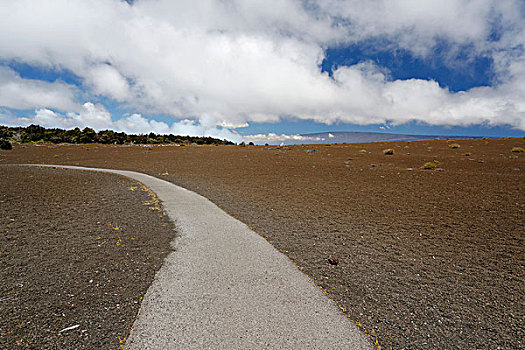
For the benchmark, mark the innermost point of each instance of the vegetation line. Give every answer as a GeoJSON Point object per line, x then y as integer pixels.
{"type": "Point", "coordinates": [39, 134]}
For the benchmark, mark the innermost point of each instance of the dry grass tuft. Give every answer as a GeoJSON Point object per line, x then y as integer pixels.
{"type": "Point", "coordinates": [389, 152]}
{"type": "Point", "coordinates": [518, 150]}
{"type": "Point", "coordinates": [428, 166]}
{"type": "Point", "coordinates": [454, 145]}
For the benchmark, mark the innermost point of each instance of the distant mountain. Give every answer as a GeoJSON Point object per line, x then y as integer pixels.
{"type": "Point", "coordinates": [360, 137]}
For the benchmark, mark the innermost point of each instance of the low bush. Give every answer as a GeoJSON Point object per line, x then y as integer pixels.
{"type": "Point", "coordinates": [518, 150]}
{"type": "Point", "coordinates": [389, 152]}
{"type": "Point", "coordinates": [5, 144]}
{"type": "Point", "coordinates": [454, 145]}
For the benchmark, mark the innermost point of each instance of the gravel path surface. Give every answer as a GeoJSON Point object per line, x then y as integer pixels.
{"type": "Point", "coordinates": [225, 287]}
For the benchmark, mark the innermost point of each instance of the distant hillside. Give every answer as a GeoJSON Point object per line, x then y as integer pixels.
{"type": "Point", "coordinates": [359, 137]}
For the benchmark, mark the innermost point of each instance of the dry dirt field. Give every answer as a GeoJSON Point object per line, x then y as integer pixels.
{"type": "Point", "coordinates": [76, 248]}
{"type": "Point", "coordinates": [428, 259]}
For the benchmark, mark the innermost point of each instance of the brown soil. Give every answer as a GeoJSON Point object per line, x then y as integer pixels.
{"type": "Point", "coordinates": [76, 248]}
{"type": "Point", "coordinates": [428, 259]}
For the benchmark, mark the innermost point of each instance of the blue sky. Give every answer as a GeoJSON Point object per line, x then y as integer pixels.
{"type": "Point", "coordinates": [243, 70]}
{"type": "Point", "coordinates": [458, 73]}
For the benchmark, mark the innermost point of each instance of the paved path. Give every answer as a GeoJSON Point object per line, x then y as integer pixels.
{"type": "Point", "coordinates": [225, 287]}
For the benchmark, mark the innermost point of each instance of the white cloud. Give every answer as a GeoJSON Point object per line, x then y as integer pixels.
{"type": "Point", "coordinates": [229, 63]}
{"type": "Point", "coordinates": [416, 25]}
{"type": "Point", "coordinates": [275, 138]}
{"type": "Point", "coordinates": [229, 125]}
{"type": "Point", "coordinates": [106, 80]}
{"type": "Point", "coordinates": [97, 117]}
{"type": "Point", "coordinates": [19, 93]}
{"type": "Point", "coordinates": [91, 115]}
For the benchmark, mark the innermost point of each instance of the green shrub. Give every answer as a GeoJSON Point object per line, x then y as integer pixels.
{"type": "Point", "coordinates": [5, 144]}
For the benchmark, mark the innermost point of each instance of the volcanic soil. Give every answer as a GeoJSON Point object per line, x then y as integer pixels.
{"type": "Point", "coordinates": [78, 250]}
{"type": "Point", "coordinates": [428, 259]}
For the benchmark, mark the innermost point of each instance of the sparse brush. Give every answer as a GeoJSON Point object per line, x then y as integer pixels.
{"type": "Point", "coordinates": [428, 166]}
{"type": "Point", "coordinates": [518, 150]}
{"type": "Point", "coordinates": [468, 154]}
{"type": "Point", "coordinates": [363, 151]}
{"type": "Point", "coordinates": [454, 145]}
{"type": "Point", "coordinates": [389, 152]}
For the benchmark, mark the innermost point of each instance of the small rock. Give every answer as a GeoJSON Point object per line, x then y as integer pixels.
{"type": "Point", "coordinates": [333, 261]}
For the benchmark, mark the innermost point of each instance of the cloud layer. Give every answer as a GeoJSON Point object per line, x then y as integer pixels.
{"type": "Point", "coordinates": [98, 118]}
{"type": "Point", "coordinates": [228, 63]}
{"type": "Point", "coordinates": [19, 93]}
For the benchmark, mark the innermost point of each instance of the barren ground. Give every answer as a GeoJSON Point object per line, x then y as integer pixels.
{"type": "Point", "coordinates": [428, 259]}
{"type": "Point", "coordinates": [76, 248]}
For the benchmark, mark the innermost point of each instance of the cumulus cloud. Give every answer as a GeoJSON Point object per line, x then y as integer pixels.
{"type": "Point", "coordinates": [229, 125]}
{"type": "Point", "coordinates": [275, 138]}
{"type": "Point", "coordinates": [90, 115]}
{"type": "Point", "coordinates": [416, 25]}
{"type": "Point", "coordinates": [107, 81]}
{"type": "Point", "coordinates": [97, 117]}
{"type": "Point", "coordinates": [232, 63]}
{"type": "Point", "coordinates": [19, 93]}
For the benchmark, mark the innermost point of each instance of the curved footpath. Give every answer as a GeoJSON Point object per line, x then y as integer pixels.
{"type": "Point", "coordinates": [226, 287]}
